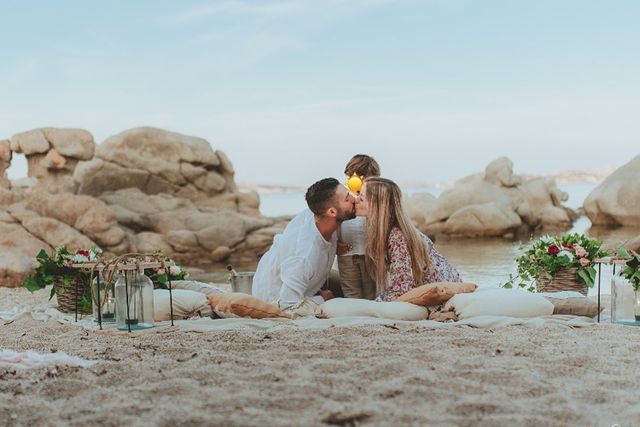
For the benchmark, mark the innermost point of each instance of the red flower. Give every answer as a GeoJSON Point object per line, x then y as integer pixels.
{"type": "Point", "coordinates": [567, 246]}
{"type": "Point", "coordinates": [553, 250]}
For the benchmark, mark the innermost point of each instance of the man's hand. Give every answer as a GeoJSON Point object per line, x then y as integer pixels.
{"type": "Point", "coordinates": [343, 247]}
{"type": "Point", "coordinates": [326, 294]}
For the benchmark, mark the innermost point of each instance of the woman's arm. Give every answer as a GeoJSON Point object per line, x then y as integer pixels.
{"type": "Point", "coordinates": [441, 270]}
{"type": "Point", "coordinates": [400, 274]}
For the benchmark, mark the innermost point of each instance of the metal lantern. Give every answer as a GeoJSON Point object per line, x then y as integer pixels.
{"type": "Point", "coordinates": [134, 300]}
{"type": "Point", "coordinates": [104, 299]}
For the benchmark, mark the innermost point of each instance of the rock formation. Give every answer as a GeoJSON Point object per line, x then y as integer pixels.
{"type": "Point", "coordinates": [141, 190]}
{"type": "Point", "coordinates": [616, 201]}
{"type": "Point", "coordinates": [495, 203]}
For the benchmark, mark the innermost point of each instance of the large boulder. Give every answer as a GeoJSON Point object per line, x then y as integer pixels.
{"type": "Point", "coordinates": [141, 190]}
{"type": "Point", "coordinates": [616, 201]}
{"type": "Point", "coordinates": [500, 173]}
{"type": "Point", "coordinates": [493, 203]}
{"type": "Point", "coordinates": [418, 207]}
{"type": "Point", "coordinates": [52, 155]}
{"type": "Point", "coordinates": [157, 161]}
{"type": "Point", "coordinates": [5, 162]}
{"type": "Point", "coordinates": [18, 250]}
{"type": "Point", "coordinates": [87, 215]}
{"type": "Point", "coordinates": [188, 230]}
{"type": "Point", "coordinates": [492, 219]}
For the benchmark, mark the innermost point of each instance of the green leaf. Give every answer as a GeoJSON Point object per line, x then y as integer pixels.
{"type": "Point", "coordinates": [42, 256]}
{"type": "Point", "coordinates": [507, 286]}
{"type": "Point", "coordinates": [52, 293]}
{"type": "Point", "coordinates": [622, 252]}
{"type": "Point", "coordinates": [584, 277]}
{"type": "Point", "coordinates": [32, 284]}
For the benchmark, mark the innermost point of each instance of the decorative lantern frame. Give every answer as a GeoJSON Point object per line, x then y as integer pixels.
{"type": "Point", "coordinates": [125, 263]}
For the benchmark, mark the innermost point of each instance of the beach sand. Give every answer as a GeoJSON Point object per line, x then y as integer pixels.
{"type": "Point", "coordinates": [375, 375]}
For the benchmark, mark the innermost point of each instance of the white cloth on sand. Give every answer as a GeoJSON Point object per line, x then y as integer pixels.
{"type": "Point", "coordinates": [32, 359]}
{"type": "Point", "coordinates": [297, 265]}
{"type": "Point", "coordinates": [45, 312]}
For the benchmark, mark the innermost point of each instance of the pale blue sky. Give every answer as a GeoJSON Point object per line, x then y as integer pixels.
{"type": "Point", "coordinates": [291, 89]}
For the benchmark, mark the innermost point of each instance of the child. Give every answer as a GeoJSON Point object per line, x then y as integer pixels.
{"type": "Point", "coordinates": [355, 280]}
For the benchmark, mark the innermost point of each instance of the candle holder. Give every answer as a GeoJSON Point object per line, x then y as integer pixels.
{"type": "Point", "coordinates": [134, 300]}
{"type": "Point", "coordinates": [625, 302]}
{"type": "Point", "coordinates": [104, 299]}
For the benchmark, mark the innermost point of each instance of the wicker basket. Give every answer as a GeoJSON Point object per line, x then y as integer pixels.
{"type": "Point", "coordinates": [564, 280]}
{"type": "Point", "coordinates": [70, 296]}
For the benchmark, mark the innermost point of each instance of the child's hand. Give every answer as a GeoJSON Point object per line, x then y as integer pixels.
{"type": "Point", "coordinates": [343, 247]}
{"type": "Point", "coordinates": [326, 294]}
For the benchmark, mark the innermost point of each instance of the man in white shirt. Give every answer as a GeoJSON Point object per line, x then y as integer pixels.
{"type": "Point", "coordinates": [298, 263]}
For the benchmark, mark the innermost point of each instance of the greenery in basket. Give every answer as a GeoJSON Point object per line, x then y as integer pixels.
{"type": "Point", "coordinates": [631, 271]}
{"type": "Point", "coordinates": [549, 254]}
{"type": "Point", "coordinates": [56, 269]}
{"type": "Point", "coordinates": [161, 277]}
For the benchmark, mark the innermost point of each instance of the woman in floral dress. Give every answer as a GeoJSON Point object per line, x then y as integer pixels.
{"type": "Point", "coordinates": [400, 256]}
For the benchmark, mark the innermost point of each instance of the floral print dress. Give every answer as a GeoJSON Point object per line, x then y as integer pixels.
{"type": "Point", "coordinates": [400, 279]}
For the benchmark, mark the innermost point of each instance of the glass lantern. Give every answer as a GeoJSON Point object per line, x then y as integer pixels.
{"type": "Point", "coordinates": [104, 299]}
{"type": "Point", "coordinates": [625, 302]}
{"type": "Point", "coordinates": [134, 300]}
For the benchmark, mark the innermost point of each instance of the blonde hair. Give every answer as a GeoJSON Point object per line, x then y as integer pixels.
{"type": "Point", "coordinates": [384, 200]}
{"type": "Point", "coordinates": [362, 165]}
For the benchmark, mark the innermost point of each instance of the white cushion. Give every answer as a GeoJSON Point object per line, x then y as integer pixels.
{"type": "Point", "coordinates": [193, 285]}
{"type": "Point", "coordinates": [395, 310]}
{"type": "Point", "coordinates": [499, 302]}
{"type": "Point", "coordinates": [186, 304]}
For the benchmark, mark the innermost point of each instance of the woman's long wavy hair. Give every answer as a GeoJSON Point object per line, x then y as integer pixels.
{"type": "Point", "coordinates": [384, 201]}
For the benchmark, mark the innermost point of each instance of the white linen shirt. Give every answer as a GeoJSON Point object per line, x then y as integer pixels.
{"type": "Point", "coordinates": [297, 264]}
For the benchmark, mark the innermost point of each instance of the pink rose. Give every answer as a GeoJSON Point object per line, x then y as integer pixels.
{"type": "Point", "coordinates": [584, 262]}
{"type": "Point", "coordinates": [581, 252]}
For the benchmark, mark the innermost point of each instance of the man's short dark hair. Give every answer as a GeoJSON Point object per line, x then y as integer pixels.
{"type": "Point", "coordinates": [320, 196]}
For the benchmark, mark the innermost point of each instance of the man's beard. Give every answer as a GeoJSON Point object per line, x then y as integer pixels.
{"type": "Point", "coordinates": [346, 215]}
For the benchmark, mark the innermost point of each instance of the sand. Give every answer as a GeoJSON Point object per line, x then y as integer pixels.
{"type": "Point", "coordinates": [375, 375]}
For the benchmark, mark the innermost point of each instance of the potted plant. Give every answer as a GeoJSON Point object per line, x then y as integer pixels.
{"type": "Point", "coordinates": [68, 284]}
{"type": "Point", "coordinates": [554, 264]}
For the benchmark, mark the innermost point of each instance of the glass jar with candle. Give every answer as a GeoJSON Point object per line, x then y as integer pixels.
{"type": "Point", "coordinates": [104, 299]}
{"type": "Point", "coordinates": [134, 300]}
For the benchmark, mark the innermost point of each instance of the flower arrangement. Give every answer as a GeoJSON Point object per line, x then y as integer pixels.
{"type": "Point", "coordinates": [548, 255]}
{"type": "Point", "coordinates": [161, 276]}
{"type": "Point", "coordinates": [56, 270]}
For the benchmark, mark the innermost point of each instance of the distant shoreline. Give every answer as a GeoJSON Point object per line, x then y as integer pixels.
{"type": "Point", "coordinates": [563, 177]}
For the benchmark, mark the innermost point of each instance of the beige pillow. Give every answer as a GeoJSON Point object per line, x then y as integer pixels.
{"type": "Point", "coordinates": [236, 304]}
{"type": "Point", "coordinates": [574, 305]}
{"type": "Point", "coordinates": [499, 302]}
{"type": "Point", "coordinates": [193, 285]}
{"type": "Point", "coordinates": [186, 304]}
{"type": "Point", "coordinates": [394, 310]}
{"type": "Point", "coordinates": [433, 294]}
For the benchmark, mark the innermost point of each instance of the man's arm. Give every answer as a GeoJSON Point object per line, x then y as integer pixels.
{"type": "Point", "coordinates": [295, 274]}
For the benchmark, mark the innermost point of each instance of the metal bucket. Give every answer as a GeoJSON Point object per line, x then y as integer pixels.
{"type": "Point", "coordinates": [242, 282]}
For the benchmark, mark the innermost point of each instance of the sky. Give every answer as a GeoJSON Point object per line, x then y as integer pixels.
{"type": "Point", "coordinates": [291, 89]}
